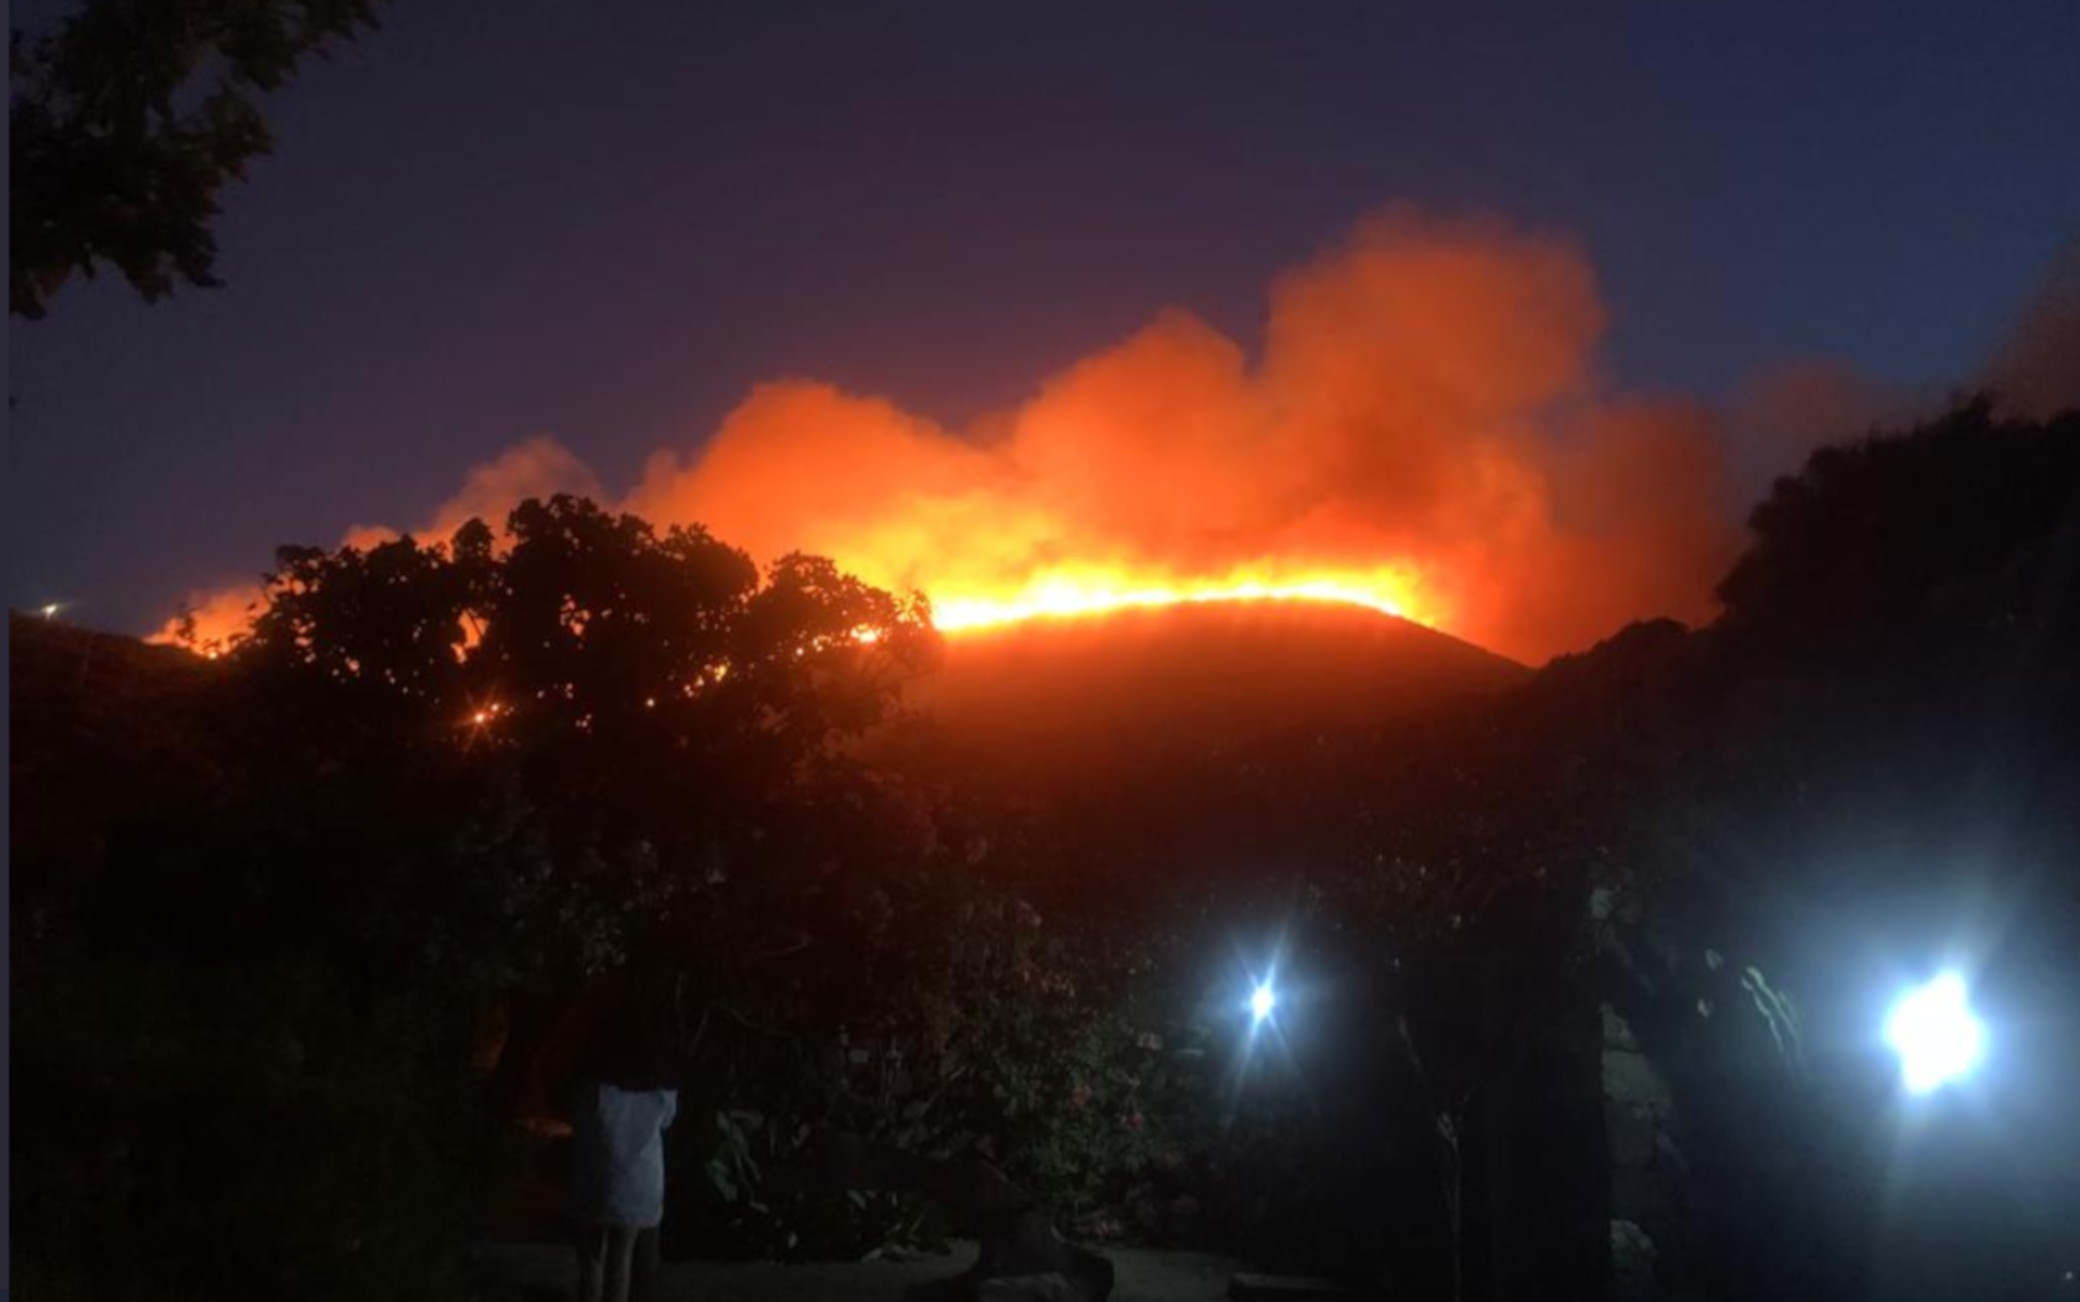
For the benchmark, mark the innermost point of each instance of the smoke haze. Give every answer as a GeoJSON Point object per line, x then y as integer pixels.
{"type": "Point", "coordinates": [1423, 422]}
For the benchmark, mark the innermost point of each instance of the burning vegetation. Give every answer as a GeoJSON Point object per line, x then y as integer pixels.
{"type": "Point", "coordinates": [1421, 429]}
{"type": "Point", "coordinates": [264, 911]}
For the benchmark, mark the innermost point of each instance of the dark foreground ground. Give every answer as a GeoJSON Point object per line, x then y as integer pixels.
{"type": "Point", "coordinates": [1142, 1277]}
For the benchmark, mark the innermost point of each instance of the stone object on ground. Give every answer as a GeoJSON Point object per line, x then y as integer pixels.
{"type": "Point", "coordinates": [1016, 1240]}
{"type": "Point", "coordinates": [1143, 1276]}
{"type": "Point", "coordinates": [1021, 1259]}
{"type": "Point", "coordinates": [1050, 1287]}
{"type": "Point", "coordinates": [1286, 1288]}
{"type": "Point", "coordinates": [1633, 1274]}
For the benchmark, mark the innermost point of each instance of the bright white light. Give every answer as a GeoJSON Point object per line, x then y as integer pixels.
{"type": "Point", "coordinates": [1261, 1002]}
{"type": "Point", "coordinates": [1935, 1034]}
{"type": "Point", "coordinates": [50, 610]}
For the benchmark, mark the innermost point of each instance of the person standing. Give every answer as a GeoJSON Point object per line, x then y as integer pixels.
{"type": "Point", "coordinates": [626, 1102]}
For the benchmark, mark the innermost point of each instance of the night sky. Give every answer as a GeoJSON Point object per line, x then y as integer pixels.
{"type": "Point", "coordinates": [605, 222]}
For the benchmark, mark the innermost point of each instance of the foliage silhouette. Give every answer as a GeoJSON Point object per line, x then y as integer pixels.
{"type": "Point", "coordinates": [127, 121]}
{"type": "Point", "coordinates": [953, 961]}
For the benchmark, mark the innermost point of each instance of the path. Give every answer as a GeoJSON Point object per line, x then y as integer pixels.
{"type": "Point", "coordinates": [1143, 1276]}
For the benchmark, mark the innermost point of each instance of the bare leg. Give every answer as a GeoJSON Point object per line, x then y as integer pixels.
{"type": "Point", "coordinates": [621, 1260]}
{"type": "Point", "coordinates": [592, 1250]}
{"type": "Point", "coordinates": [643, 1282]}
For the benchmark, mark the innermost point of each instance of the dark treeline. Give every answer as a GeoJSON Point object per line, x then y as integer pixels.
{"type": "Point", "coordinates": [300, 933]}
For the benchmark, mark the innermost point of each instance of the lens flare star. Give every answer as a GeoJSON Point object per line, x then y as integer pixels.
{"type": "Point", "coordinates": [1934, 1032]}
{"type": "Point", "coordinates": [1262, 1001]}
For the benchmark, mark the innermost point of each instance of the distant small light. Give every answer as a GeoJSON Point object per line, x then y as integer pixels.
{"type": "Point", "coordinates": [1935, 1034]}
{"type": "Point", "coordinates": [481, 717]}
{"type": "Point", "coordinates": [50, 610]}
{"type": "Point", "coordinates": [1261, 1001]}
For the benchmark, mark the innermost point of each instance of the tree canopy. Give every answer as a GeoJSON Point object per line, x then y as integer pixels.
{"type": "Point", "coordinates": [655, 683]}
{"type": "Point", "coordinates": [443, 783]}
{"type": "Point", "coordinates": [127, 121]}
{"type": "Point", "coordinates": [1971, 520]}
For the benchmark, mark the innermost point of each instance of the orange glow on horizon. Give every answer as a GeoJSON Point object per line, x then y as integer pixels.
{"type": "Point", "coordinates": [1423, 427]}
{"type": "Point", "coordinates": [1078, 594]}
{"type": "Point", "coordinates": [1073, 595]}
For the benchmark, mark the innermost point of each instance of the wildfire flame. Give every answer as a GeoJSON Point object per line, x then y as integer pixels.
{"type": "Point", "coordinates": [1062, 594]}
{"type": "Point", "coordinates": [1071, 594]}
{"type": "Point", "coordinates": [1422, 430]}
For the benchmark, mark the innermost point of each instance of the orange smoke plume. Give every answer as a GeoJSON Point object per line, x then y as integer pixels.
{"type": "Point", "coordinates": [538, 467]}
{"type": "Point", "coordinates": [1422, 429]}
{"type": "Point", "coordinates": [2036, 370]}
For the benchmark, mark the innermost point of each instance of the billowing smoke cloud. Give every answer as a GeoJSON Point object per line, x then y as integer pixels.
{"type": "Point", "coordinates": [1787, 410]}
{"type": "Point", "coordinates": [2036, 370]}
{"type": "Point", "coordinates": [1423, 416]}
{"type": "Point", "coordinates": [538, 467]}
{"type": "Point", "coordinates": [1425, 402]}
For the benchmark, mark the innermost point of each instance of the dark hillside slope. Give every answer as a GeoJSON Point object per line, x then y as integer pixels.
{"type": "Point", "coordinates": [1084, 697]}
{"type": "Point", "coordinates": [105, 733]}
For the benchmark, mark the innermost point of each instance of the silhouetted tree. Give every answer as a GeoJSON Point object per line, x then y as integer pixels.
{"type": "Point", "coordinates": [433, 774]}
{"type": "Point", "coordinates": [127, 121]}
{"type": "Point", "coordinates": [515, 759]}
{"type": "Point", "coordinates": [611, 663]}
{"type": "Point", "coordinates": [1968, 525]}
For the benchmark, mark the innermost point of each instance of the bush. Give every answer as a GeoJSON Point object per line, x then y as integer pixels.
{"type": "Point", "coordinates": [206, 1131]}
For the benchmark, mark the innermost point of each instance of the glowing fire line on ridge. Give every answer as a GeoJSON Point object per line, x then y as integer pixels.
{"type": "Point", "coordinates": [962, 607]}
{"type": "Point", "coordinates": [956, 610]}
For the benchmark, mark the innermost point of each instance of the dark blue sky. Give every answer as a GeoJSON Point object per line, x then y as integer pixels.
{"type": "Point", "coordinates": [603, 222]}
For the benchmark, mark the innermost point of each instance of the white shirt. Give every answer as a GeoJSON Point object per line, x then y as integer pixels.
{"type": "Point", "coordinates": [617, 1137]}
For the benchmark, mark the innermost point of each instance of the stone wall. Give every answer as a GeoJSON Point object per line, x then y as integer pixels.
{"type": "Point", "coordinates": [1542, 1186]}
{"type": "Point", "coordinates": [1648, 1175]}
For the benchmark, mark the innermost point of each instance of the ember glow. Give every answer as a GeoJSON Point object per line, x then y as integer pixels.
{"type": "Point", "coordinates": [1422, 429]}
{"type": "Point", "coordinates": [1097, 592]}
